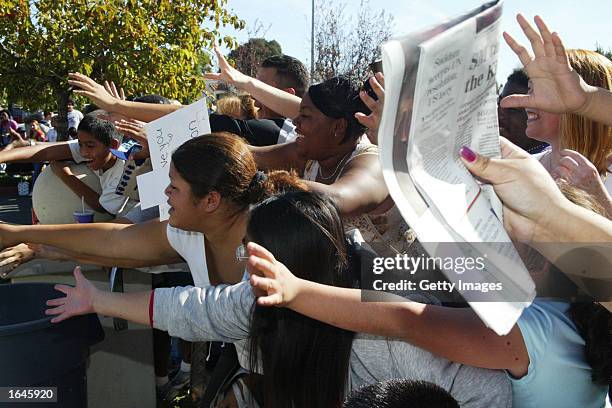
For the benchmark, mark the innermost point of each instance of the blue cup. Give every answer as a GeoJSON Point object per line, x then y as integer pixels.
{"type": "Point", "coordinates": [84, 217]}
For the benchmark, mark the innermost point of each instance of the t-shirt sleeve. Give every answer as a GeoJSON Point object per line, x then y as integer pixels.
{"type": "Point", "coordinates": [536, 328]}
{"type": "Point", "coordinates": [75, 150]}
{"type": "Point", "coordinates": [215, 313]}
{"type": "Point", "coordinates": [258, 132]}
{"type": "Point", "coordinates": [479, 387]}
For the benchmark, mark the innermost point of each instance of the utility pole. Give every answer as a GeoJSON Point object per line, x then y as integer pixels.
{"type": "Point", "coordinates": [312, 33]}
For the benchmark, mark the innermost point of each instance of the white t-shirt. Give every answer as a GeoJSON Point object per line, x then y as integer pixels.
{"type": "Point", "coordinates": [74, 118]}
{"type": "Point", "coordinates": [52, 135]}
{"type": "Point", "coordinates": [287, 133]}
{"type": "Point", "coordinates": [112, 200]}
{"type": "Point", "coordinates": [190, 245]}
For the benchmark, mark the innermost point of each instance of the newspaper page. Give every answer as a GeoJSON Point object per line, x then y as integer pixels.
{"type": "Point", "coordinates": [440, 95]}
{"type": "Point", "coordinates": [164, 136]}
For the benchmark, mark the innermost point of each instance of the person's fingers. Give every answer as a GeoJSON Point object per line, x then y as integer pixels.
{"type": "Point", "coordinates": [379, 90]}
{"type": "Point", "coordinates": [65, 289]}
{"type": "Point", "coordinates": [262, 265]}
{"type": "Point", "coordinates": [259, 251]}
{"type": "Point", "coordinates": [368, 101]}
{"type": "Point", "coordinates": [563, 173]}
{"type": "Point", "coordinates": [86, 94]}
{"type": "Point", "coordinates": [511, 151]}
{"type": "Point", "coordinates": [518, 49]}
{"type": "Point", "coordinates": [114, 88]}
{"type": "Point", "coordinates": [108, 88]}
{"type": "Point", "coordinates": [212, 76]}
{"type": "Point", "coordinates": [56, 310]}
{"type": "Point", "coordinates": [10, 260]}
{"type": "Point", "coordinates": [270, 300]}
{"type": "Point", "coordinates": [81, 78]}
{"type": "Point", "coordinates": [518, 101]}
{"type": "Point", "coordinates": [122, 94]}
{"type": "Point", "coordinates": [81, 86]}
{"type": "Point", "coordinates": [578, 158]}
{"type": "Point", "coordinates": [365, 120]}
{"type": "Point", "coordinates": [569, 163]}
{"type": "Point", "coordinates": [549, 47]}
{"type": "Point", "coordinates": [60, 318]}
{"type": "Point", "coordinates": [560, 52]}
{"type": "Point", "coordinates": [380, 77]}
{"type": "Point", "coordinates": [265, 284]}
{"type": "Point", "coordinates": [532, 35]}
{"type": "Point", "coordinates": [57, 301]}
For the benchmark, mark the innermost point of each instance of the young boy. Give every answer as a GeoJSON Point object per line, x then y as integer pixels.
{"type": "Point", "coordinates": [95, 139]}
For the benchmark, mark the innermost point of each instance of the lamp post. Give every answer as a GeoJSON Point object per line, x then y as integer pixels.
{"type": "Point", "coordinates": [312, 32]}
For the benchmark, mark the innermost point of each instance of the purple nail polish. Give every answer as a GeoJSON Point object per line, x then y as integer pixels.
{"type": "Point", "coordinates": [468, 154]}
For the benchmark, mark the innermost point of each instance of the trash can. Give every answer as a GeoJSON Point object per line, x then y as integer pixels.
{"type": "Point", "coordinates": [37, 353]}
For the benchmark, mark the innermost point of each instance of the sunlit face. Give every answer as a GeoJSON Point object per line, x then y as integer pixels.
{"type": "Point", "coordinates": [315, 131]}
{"type": "Point", "coordinates": [543, 126]}
{"type": "Point", "coordinates": [183, 204]}
{"type": "Point", "coordinates": [267, 76]}
{"type": "Point", "coordinates": [95, 152]}
{"type": "Point", "coordinates": [69, 107]}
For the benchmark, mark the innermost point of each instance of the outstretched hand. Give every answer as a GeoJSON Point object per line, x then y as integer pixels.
{"type": "Point", "coordinates": [136, 130]}
{"type": "Point", "coordinates": [79, 300]}
{"type": "Point", "coordinates": [274, 284]}
{"type": "Point", "coordinates": [89, 88]}
{"type": "Point", "coordinates": [227, 73]}
{"type": "Point", "coordinates": [112, 89]}
{"type": "Point", "coordinates": [525, 188]}
{"type": "Point", "coordinates": [372, 121]}
{"type": "Point", "coordinates": [555, 86]}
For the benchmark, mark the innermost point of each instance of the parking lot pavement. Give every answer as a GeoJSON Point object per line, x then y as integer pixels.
{"type": "Point", "coordinates": [16, 209]}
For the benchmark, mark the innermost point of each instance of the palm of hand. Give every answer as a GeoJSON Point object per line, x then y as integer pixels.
{"type": "Point", "coordinates": [555, 85]}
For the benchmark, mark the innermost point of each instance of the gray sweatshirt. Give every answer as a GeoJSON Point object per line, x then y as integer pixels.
{"type": "Point", "coordinates": [223, 313]}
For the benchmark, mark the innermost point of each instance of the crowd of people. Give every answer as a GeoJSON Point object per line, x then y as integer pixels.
{"type": "Point", "coordinates": [278, 211]}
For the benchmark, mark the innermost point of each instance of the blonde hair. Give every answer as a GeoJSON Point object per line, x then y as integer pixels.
{"type": "Point", "coordinates": [589, 138]}
{"type": "Point", "coordinates": [237, 107]}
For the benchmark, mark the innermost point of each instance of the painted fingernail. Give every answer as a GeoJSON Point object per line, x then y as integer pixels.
{"type": "Point", "coordinates": [468, 154]}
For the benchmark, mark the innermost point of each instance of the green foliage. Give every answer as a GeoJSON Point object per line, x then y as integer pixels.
{"type": "Point", "coordinates": [146, 46]}
{"type": "Point", "coordinates": [248, 56]}
{"type": "Point", "coordinates": [607, 54]}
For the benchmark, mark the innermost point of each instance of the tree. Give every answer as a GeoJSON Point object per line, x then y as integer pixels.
{"type": "Point", "coordinates": [248, 56]}
{"type": "Point", "coordinates": [607, 54]}
{"type": "Point", "coordinates": [146, 46]}
{"type": "Point", "coordinates": [344, 46]}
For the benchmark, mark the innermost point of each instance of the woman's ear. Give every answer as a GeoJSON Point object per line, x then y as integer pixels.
{"type": "Point", "coordinates": [210, 202]}
{"type": "Point", "coordinates": [340, 128]}
{"type": "Point", "coordinates": [114, 143]}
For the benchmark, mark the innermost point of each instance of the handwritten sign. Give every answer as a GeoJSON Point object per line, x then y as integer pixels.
{"type": "Point", "coordinates": [164, 136]}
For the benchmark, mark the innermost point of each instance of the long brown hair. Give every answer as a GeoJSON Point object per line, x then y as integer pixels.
{"type": "Point", "coordinates": [591, 139]}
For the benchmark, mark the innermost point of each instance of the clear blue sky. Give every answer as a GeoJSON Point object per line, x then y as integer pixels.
{"type": "Point", "coordinates": [580, 23]}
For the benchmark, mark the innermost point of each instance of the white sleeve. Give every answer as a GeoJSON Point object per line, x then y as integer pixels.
{"type": "Point", "coordinates": [75, 150]}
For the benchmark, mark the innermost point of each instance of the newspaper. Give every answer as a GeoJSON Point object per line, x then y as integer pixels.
{"type": "Point", "coordinates": [164, 136]}
{"type": "Point", "coordinates": [441, 95]}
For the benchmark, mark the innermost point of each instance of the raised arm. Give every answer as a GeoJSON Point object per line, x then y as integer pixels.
{"type": "Point", "coordinates": [40, 152]}
{"type": "Point", "coordinates": [556, 87]}
{"type": "Point", "coordinates": [275, 99]}
{"type": "Point", "coordinates": [98, 94]}
{"type": "Point", "coordinates": [139, 242]}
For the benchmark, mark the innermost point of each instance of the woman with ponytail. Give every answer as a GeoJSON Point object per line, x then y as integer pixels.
{"type": "Point", "coordinates": [213, 181]}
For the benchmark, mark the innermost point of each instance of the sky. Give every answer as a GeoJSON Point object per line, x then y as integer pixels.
{"type": "Point", "coordinates": [581, 24]}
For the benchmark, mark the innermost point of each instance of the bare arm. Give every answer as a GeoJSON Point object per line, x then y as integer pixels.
{"type": "Point", "coordinates": [91, 197]}
{"type": "Point", "coordinates": [279, 101]}
{"type": "Point", "coordinates": [359, 190]}
{"type": "Point", "coordinates": [98, 94]}
{"type": "Point", "coordinates": [278, 157]}
{"type": "Point", "coordinates": [456, 334]}
{"type": "Point", "coordinates": [139, 242]}
{"type": "Point", "coordinates": [41, 152]}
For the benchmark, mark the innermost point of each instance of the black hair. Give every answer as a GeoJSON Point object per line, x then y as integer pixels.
{"type": "Point", "coordinates": [153, 98]}
{"type": "Point", "coordinates": [89, 108]}
{"type": "Point", "coordinates": [102, 130]}
{"type": "Point", "coordinates": [519, 77]}
{"type": "Point", "coordinates": [338, 98]}
{"type": "Point", "coordinates": [594, 323]}
{"type": "Point", "coordinates": [290, 71]}
{"type": "Point", "coordinates": [305, 362]}
{"type": "Point", "coordinates": [7, 113]}
{"type": "Point", "coordinates": [69, 102]}
{"type": "Point", "coordinates": [401, 393]}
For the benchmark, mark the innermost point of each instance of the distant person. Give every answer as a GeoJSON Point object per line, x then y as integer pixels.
{"type": "Point", "coordinates": [513, 121]}
{"type": "Point", "coordinates": [73, 116]}
{"type": "Point", "coordinates": [401, 393]}
{"type": "Point", "coordinates": [237, 107]}
{"type": "Point", "coordinates": [52, 133]}
{"type": "Point", "coordinates": [8, 128]}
